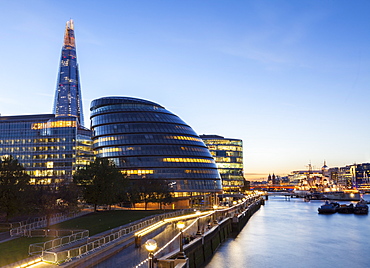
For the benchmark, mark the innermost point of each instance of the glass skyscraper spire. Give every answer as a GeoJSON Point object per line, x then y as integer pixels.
{"type": "Point", "coordinates": [68, 99]}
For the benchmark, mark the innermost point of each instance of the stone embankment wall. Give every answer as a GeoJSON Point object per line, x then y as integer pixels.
{"type": "Point", "coordinates": [201, 250]}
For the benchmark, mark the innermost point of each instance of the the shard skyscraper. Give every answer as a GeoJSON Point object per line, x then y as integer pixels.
{"type": "Point", "coordinates": [68, 99]}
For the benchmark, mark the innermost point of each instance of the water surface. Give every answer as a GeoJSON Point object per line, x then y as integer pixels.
{"type": "Point", "coordinates": [292, 234]}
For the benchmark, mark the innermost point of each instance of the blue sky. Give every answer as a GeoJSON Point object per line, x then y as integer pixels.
{"type": "Point", "coordinates": [289, 78]}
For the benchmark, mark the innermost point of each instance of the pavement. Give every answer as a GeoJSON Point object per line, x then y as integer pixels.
{"type": "Point", "coordinates": [122, 252]}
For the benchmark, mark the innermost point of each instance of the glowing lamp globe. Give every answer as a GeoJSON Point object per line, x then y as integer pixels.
{"type": "Point", "coordinates": [180, 224]}
{"type": "Point", "coordinates": [150, 245]}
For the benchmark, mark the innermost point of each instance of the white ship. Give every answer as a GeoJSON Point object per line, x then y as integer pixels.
{"type": "Point", "coordinates": [321, 187]}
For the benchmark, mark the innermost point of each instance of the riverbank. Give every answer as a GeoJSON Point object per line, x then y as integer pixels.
{"type": "Point", "coordinates": [290, 233]}
{"type": "Point", "coordinates": [203, 247]}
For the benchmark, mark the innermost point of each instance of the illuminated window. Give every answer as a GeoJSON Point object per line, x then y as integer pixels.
{"type": "Point", "coordinates": [188, 160]}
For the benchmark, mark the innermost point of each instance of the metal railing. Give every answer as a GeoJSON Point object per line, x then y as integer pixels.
{"type": "Point", "coordinates": [24, 229]}
{"type": "Point", "coordinates": [203, 224]}
{"type": "Point", "coordinates": [117, 233]}
{"type": "Point", "coordinates": [38, 248]}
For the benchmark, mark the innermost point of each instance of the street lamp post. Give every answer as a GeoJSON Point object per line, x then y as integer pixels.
{"type": "Point", "coordinates": [181, 255]}
{"type": "Point", "coordinates": [215, 214]}
{"type": "Point", "coordinates": [150, 246]}
{"type": "Point", "coordinates": [198, 232]}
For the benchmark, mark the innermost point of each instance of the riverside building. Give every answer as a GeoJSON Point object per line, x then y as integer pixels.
{"type": "Point", "coordinates": [52, 146]}
{"type": "Point", "coordinates": [228, 154]}
{"type": "Point", "coordinates": [148, 142]}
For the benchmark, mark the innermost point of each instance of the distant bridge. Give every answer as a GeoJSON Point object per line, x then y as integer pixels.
{"type": "Point", "coordinates": [272, 188]}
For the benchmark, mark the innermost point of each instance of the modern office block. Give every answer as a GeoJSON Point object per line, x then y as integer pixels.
{"type": "Point", "coordinates": [52, 146]}
{"type": "Point", "coordinates": [49, 147]}
{"type": "Point", "coordinates": [228, 154]}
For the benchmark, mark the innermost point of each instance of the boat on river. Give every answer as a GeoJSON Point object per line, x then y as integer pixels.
{"type": "Point", "coordinates": [321, 187]}
{"type": "Point", "coordinates": [361, 207]}
{"type": "Point", "coordinates": [328, 208]}
{"type": "Point", "coordinates": [346, 209]}
{"type": "Point", "coordinates": [345, 195]}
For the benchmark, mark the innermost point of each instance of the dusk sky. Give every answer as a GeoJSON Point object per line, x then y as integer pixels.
{"type": "Point", "coordinates": [289, 78]}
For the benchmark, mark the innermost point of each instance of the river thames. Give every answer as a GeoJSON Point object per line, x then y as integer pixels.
{"type": "Point", "coordinates": [292, 234]}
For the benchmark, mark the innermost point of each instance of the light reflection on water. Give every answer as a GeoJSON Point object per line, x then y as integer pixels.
{"type": "Point", "coordinates": [292, 234]}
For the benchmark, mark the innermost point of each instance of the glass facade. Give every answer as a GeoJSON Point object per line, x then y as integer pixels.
{"type": "Point", "coordinates": [146, 141]}
{"type": "Point", "coordinates": [50, 148]}
{"type": "Point", "coordinates": [68, 100]}
{"type": "Point", "coordinates": [228, 154]}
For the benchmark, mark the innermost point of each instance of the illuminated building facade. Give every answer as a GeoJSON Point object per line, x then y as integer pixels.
{"type": "Point", "coordinates": [68, 100]}
{"type": "Point", "coordinates": [228, 154]}
{"type": "Point", "coordinates": [50, 148]}
{"type": "Point", "coordinates": [146, 141]}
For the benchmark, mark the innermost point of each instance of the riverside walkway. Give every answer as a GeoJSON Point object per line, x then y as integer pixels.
{"type": "Point", "coordinates": [129, 254]}
{"type": "Point", "coordinates": [126, 251]}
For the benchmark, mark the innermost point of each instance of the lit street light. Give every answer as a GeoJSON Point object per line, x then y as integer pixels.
{"type": "Point", "coordinates": [150, 246]}
{"type": "Point", "coordinates": [198, 232]}
{"type": "Point", "coordinates": [181, 255]}
{"type": "Point", "coordinates": [215, 214]}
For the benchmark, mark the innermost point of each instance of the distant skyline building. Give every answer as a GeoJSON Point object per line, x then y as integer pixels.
{"type": "Point", "coordinates": [148, 142]}
{"type": "Point", "coordinates": [228, 154]}
{"type": "Point", "coordinates": [68, 99]}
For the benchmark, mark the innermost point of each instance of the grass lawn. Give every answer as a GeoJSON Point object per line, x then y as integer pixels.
{"type": "Point", "coordinates": [97, 222]}
{"type": "Point", "coordinates": [101, 221]}
{"type": "Point", "coordinates": [17, 249]}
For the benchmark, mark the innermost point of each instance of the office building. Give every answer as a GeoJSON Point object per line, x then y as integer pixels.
{"type": "Point", "coordinates": [52, 146]}
{"type": "Point", "coordinates": [68, 100]}
{"type": "Point", "coordinates": [228, 154]}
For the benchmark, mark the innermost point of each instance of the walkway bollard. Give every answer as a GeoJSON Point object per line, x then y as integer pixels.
{"type": "Point", "coordinates": [137, 241]}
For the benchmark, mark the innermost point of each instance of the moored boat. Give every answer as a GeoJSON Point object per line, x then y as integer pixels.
{"type": "Point", "coordinates": [361, 207]}
{"type": "Point", "coordinates": [345, 209]}
{"type": "Point", "coordinates": [328, 208]}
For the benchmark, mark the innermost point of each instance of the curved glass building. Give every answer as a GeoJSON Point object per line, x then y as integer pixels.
{"type": "Point", "coordinates": [146, 141]}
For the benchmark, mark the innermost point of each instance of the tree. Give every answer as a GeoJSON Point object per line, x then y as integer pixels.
{"type": "Point", "coordinates": [149, 190]}
{"type": "Point", "coordinates": [44, 200]}
{"type": "Point", "coordinates": [14, 182]}
{"type": "Point", "coordinates": [68, 196]}
{"type": "Point", "coordinates": [102, 183]}
{"type": "Point", "coordinates": [162, 192]}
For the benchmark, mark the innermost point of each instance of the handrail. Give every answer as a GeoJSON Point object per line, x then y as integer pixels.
{"type": "Point", "coordinates": [78, 252]}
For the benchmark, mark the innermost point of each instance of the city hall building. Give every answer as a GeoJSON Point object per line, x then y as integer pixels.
{"type": "Point", "coordinates": [148, 142]}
